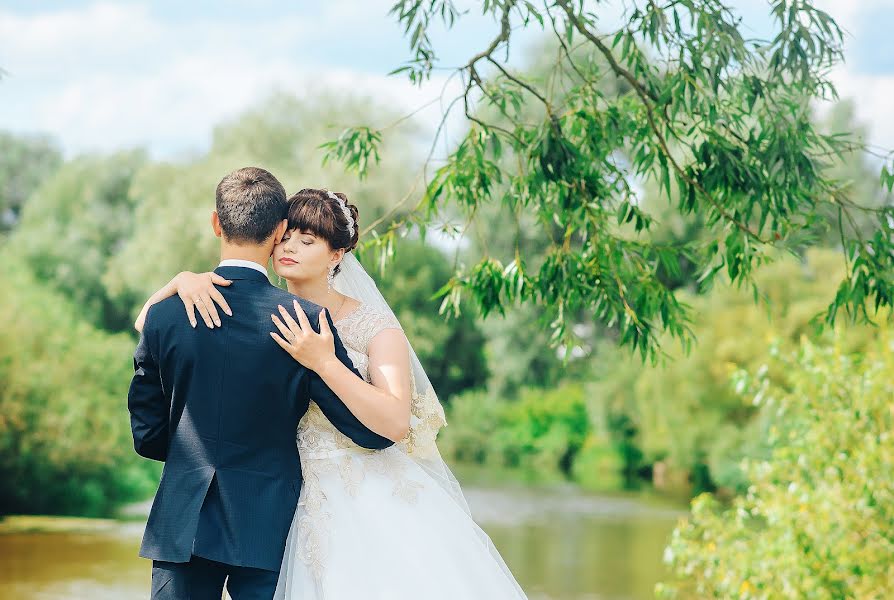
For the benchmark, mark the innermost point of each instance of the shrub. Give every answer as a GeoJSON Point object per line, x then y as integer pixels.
{"type": "Point", "coordinates": [817, 520]}
{"type": "Point", "coordinates": [65, 445]}
{"type": "Point", "coordinates": [540, 430]}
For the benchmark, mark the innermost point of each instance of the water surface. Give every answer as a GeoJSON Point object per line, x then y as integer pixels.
{"type": "Point", "coordinates": [561, 543]}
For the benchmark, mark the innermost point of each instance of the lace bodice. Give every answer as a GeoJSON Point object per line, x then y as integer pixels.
{"type": "Point", "coordinates": [317, 437]}
{"type": "Point", "coordinates": [332, 463]}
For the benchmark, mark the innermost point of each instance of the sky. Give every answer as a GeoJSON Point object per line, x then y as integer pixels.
{"type": "Point", "coordinates": [100, 75]}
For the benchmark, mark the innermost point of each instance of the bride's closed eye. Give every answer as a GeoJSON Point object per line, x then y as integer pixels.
{"type": "Point", "coordinates": [306, 241]}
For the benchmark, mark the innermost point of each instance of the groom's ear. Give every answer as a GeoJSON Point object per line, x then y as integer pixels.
{"type": "Point", "coordinates": [280, 231]}
{"type": "Point", "coordinates": [215, 224]}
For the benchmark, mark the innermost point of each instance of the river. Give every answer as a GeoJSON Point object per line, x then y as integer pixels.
{"type": "Point", "coordinates": [561, 543]}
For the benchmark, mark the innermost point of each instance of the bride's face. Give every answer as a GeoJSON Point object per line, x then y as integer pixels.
{"type": "Point", "coordinates": [302, 256]}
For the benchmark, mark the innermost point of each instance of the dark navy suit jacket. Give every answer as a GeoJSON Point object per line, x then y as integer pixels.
{"type": "Point", "coordinates": [220, 407]}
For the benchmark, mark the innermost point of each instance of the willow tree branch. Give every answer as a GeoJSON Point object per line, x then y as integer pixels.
{"type": "Point", "coordinates": [647, 98]}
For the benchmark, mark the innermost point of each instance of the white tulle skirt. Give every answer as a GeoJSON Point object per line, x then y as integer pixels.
{"type": "Point", "coordinates": [381, 525]}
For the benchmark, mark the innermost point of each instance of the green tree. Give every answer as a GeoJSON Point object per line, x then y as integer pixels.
{"type": "Point", "coordinates": [73, 227]}
{"type": "Point", "coordinates": [520, 354]}
{"type": "Point", "coordinates": [541, 431]}
{"type": "Point", "coordinates": [682, 420]}
{"type": "Point", "coordinates": [519, 342]}
{"type": "Point", "coordinates": [817, 520]}
{"type": "Point", "coordinates": [685, 412]}
{"type": "Point", "coordinates": [519, 346]}
{"type": "Point", "coordinates": [855, 170]}
{"type": "Point", "coordinates": [65, 443]}
{"type": "Point", "coordinates": [25, 162]}
{"type": "Point", "coordinates": [452, 353]}
{"type": "Point", "coordinates": [720, 122]}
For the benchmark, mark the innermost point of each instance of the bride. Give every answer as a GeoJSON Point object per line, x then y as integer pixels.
{"type": "Point", "coordinates": [369, 524]}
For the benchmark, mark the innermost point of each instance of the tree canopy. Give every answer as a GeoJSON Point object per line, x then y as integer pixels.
{"type": "Point", "coordinates": [720, 123]}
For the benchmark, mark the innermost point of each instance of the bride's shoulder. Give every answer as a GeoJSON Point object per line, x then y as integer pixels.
{"type": "Point", "coordinates": [361, 312]}
{"type": "Point", "coordinates": [381, 319]}
{"type": "Point", "coordinates": [365, 322]}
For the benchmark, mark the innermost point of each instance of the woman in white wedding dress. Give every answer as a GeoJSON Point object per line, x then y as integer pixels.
{"type": "Point", "coordinates": [369, 524]}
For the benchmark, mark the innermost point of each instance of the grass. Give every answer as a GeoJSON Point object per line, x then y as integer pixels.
{"type": "Point", "coordinates": [18, 524]}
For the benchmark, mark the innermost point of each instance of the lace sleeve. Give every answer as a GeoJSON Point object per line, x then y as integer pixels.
{"type": "Point", "coordinates": [371, 324]}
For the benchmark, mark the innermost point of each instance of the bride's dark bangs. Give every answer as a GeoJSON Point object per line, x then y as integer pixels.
{"type": "Point", "coordinates": [322, 213]}
{"type": "Point", "coordinates": [311, 215]}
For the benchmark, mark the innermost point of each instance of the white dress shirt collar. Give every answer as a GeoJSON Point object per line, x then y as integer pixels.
{"type": "Point", "coordinates": [248, 264]}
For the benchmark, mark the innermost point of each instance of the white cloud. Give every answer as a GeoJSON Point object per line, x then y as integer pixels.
{"type": "Point", "coordinates": [109, 76]}
{"type": "Point", "coordinates": [176, 109]}
{"type": "Point", "coordinates": [45, 36]}
{"type": "Point", "coordinates": [872, 96]}
{"type": "Point", "coordinates": [847, 13]}
{"type": "Point", "coordinates": [871, 93]}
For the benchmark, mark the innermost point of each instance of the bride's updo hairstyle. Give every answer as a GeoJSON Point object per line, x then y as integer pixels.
{"type": "Point", "coordinates": [315, 211]}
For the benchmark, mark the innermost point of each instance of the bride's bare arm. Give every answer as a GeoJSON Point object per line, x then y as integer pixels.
{"type": "Point", "coordinates": [384, 405]}
{"type": "Point", "coordinates": [197, 292]}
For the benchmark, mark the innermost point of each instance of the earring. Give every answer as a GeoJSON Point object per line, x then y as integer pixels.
{"type": "Point", "coordinates": [280, 280]}
{"type": "Point", "coordinates": [330, 277]}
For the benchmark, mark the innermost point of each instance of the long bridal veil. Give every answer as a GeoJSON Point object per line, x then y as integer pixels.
{"type": "Point", "coordinates": [427, 413]}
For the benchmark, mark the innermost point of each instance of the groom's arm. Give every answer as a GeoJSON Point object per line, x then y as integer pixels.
{"type": "Point", "coordinates": [334, 409]}
{"type": "Point", "coordinates": [148, 405]}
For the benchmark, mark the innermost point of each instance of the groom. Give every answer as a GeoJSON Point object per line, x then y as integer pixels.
{"type": "Point", "coordinates": [220, 408]}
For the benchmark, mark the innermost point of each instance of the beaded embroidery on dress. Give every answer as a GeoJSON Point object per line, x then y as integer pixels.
{"type": "Point", "coordinates": [364, 516]}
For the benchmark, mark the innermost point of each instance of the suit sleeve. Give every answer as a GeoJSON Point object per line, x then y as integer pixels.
{"type": "Point", "coordinates": [147, 403]}
{"type": "Point", "coordinates": [334, 409]}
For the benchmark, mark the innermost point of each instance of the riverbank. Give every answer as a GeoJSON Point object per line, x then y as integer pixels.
{"type": "Point", "coordinates": [21, 524]}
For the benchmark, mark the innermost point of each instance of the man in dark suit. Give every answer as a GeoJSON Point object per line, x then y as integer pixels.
{"type": "Point", "coordinates": [220, 407]}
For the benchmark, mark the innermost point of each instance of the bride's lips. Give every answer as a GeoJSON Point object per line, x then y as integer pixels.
{"type": "Point", "coordinates": [287, 261]}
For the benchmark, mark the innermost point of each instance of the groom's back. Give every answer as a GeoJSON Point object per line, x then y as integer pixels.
{"type": "Point", "coordinates": [234, 383]}
{"type": "Point", "coordinates": [232, 474]}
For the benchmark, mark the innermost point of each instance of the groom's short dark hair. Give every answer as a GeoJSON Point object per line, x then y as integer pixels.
{"type": "Point", "coordinates": [250, 203]}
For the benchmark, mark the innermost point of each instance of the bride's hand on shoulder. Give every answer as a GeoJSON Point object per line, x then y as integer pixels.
{"type": "Point", "coordinates": [305, 345]}
{"type": "Point", "coordinates": [197, 291]}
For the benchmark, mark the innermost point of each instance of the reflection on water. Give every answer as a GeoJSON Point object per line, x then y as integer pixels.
{"type": "Point", "coordinates": [560, 544]}
{"type": "Point", "coordinates": [101, 565]}
{"type": "Point", "coordinates": [570, 546]}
